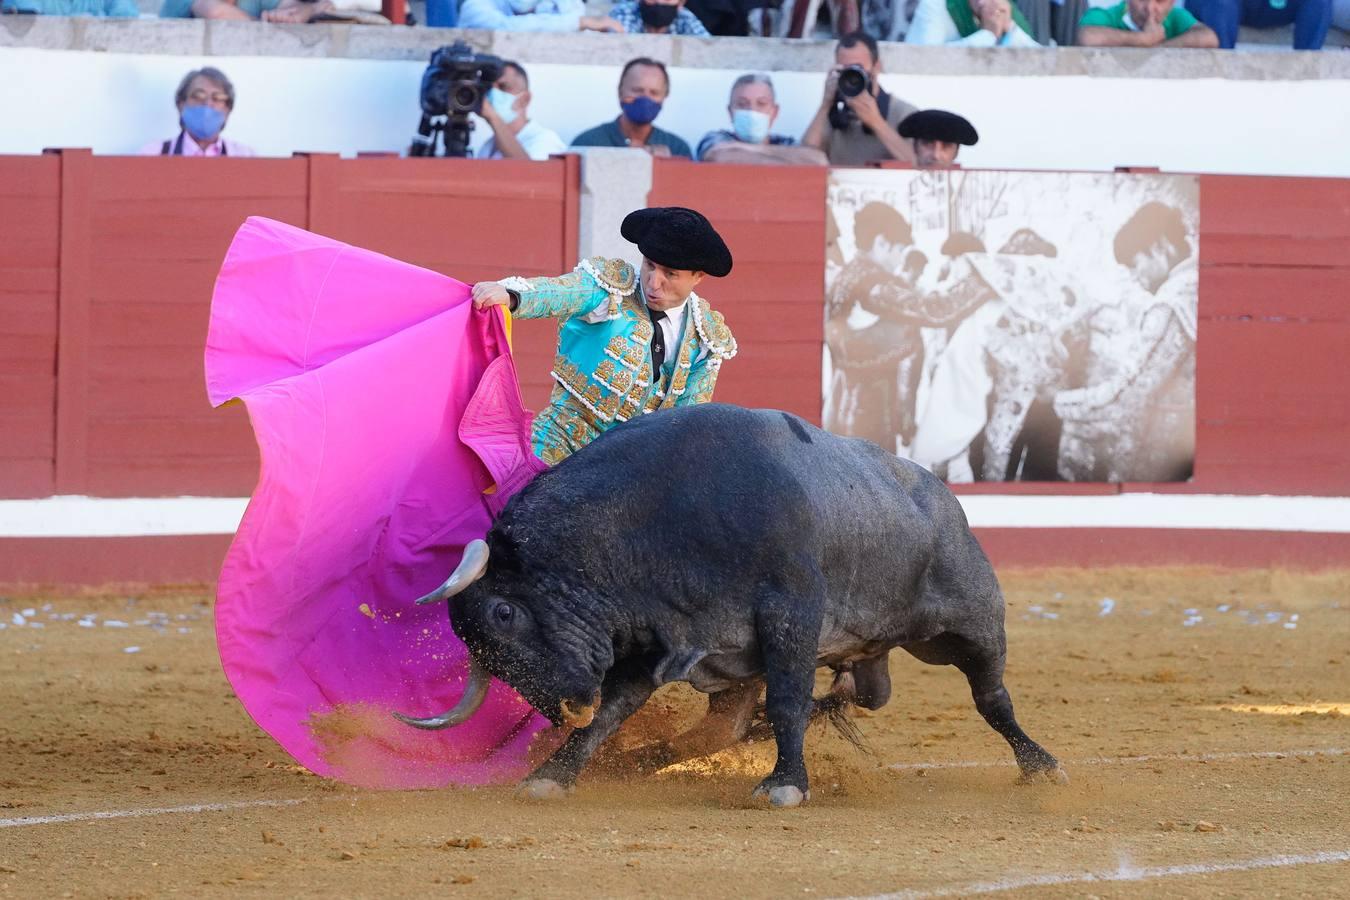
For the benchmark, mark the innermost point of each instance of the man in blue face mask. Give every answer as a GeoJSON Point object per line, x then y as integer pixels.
{"type": "Point", "coordinates": [753, 110]}
{"type": "Point", "coordinates": [644, 86]}
{"type": "Point", "coordinates": [514, 135]}
{"type": "Point", "coordinates": [205, 99]}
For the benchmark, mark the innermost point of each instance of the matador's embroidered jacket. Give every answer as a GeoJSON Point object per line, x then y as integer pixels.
{"type": "Point", "coordinates": [603, 369]}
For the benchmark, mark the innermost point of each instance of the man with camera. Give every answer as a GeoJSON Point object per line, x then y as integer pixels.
{"type": "Point", "coordinates": [857, 120]}
{"type": "Point", "coordinates": [631, 342]}
{"type": "Point", "coordinates": [514, 136]}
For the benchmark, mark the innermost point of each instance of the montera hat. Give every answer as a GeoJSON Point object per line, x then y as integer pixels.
{"type": "Point", "coordinates": [938, 125]}
{"type": "Point", "coordinates": [677, 238]}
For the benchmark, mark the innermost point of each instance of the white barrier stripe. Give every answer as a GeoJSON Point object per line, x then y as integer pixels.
{"type": "Point", "coordinates": [138, 813]}
{"type": "Point", "coordinates": [1126, 872]}
{"type": "Point", "coordinates": [76, 516]}
{"type": "Point", "coordinates": [1117, 760]}
{"type": "Point", "coordinates": [1174, 511]}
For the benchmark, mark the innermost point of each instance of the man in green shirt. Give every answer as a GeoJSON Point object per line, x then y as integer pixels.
{"type": "Point", "coordinates": [1143, 23]}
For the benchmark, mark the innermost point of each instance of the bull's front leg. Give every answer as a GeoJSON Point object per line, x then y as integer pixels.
{"type": "Point", "coordinates": [787, 641]}
{"type": "Point", "coordinates": [626, 687]}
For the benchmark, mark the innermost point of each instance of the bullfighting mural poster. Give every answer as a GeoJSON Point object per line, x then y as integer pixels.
{"type": "Point", "coordinates": [1015, 326]}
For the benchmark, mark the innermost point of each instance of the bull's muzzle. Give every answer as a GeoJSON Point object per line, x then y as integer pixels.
{"type": "Point", "coordinates": [472, 566]}
{"type": "Point", "coordinates": [475, 690]}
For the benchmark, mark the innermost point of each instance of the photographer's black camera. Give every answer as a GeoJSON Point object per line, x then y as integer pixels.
{"type": "Point", "coordinates": [453, 85]}
{"type": "Point", "coordinates": [853, 80]}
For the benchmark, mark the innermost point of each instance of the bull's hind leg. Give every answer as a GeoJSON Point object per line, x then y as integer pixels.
{"type": "Point", "coordinates": [787, 627]}
{"type": "Point", "coordinates": [983, 668]}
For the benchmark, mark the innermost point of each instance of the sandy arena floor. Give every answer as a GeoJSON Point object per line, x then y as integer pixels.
{"type": "Point", "coordinates": [1204, 719]}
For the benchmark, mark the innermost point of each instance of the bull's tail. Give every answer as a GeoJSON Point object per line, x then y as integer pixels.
{"type": "Point", "coordinates": [832, 708]}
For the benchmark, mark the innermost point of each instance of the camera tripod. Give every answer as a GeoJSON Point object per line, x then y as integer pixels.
{"type": "Point", "coordinates": [452, 133]}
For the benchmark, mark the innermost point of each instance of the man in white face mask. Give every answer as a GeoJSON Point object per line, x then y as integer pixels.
{"type": "Point", "coordinates": [753, 110]}
{"type": "Point", "coordinates": [514, 136]}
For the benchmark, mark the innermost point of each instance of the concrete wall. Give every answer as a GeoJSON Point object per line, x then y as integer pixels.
{"type": "Point", "coordinates": [344, 90]}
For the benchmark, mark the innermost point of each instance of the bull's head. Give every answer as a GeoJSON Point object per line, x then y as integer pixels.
{"type": "Point", "coordinates": [511, 634]}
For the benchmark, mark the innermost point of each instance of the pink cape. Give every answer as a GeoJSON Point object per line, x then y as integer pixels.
{"type": "Point", "coordinates": [385, 410]}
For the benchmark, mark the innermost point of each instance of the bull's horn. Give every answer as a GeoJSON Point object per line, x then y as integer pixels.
{"type": "Point", "coordinates": [474, 692]}
{"type": "Point", "coordinates": [471, 568]}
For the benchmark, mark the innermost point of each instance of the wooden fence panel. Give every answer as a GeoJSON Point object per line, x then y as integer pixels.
{"type": "Point", "coordinates": [1272, 400]}
{"type": "Point", "coordinates": [30, 217]}
{"type": "Point", "coordinates": [157, 231]}
{"type": "Point", "coordinates": [773, 219]}
{"type": "Point", "coordinates": [474, 220]}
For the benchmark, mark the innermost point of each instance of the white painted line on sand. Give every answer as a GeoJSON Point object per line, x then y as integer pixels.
{"type": "Point", "coordinates": [1118, 760]}
{"type": "Point", "coordinates": [1126, 872]}
{"type": "Point", "coordinates": [137, 813]}
{"type": "Point", "coordinates": [77, 516]}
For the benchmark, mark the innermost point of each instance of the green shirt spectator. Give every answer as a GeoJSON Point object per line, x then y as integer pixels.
{"type": "Point", "coordinates": [1143, 23]}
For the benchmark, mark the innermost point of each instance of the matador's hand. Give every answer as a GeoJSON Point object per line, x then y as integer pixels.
{"type": "Point", "coordinates": [490, 293]}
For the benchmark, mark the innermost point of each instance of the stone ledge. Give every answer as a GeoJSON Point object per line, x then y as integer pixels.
{"type": "Point", "coordinates": [195, 37]}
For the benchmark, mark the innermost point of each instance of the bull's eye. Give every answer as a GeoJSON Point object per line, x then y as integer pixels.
{"type": "Point", "coordinates": [503, 613]}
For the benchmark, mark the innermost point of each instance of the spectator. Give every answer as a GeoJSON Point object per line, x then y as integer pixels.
{"type": "Point", "coordinates": [644, 86]}
{"type": "Point", "coordinates": [1143, 23]}
{"type": "Point", "coordinates": [725, 18]}
{"type": "Point", "coordinates": [278, 11]}
{"type": "Point", "coordinates": [937, 136]}
{"type": "Point", "coordinates": [108, 8]}
{"type": "Point", "coordinates": [753, 110]}
{"type": "Point", "coordinates": [1310, 18]}
{"type": "Point", "coordinates": [976, 23]}
{"type": "Point", "coordinates": [514, 136]}
{"type": "Point", "coordinates": [856, 130]}
{"type": "Point", "coordinates": [657, 17]}
{"type": "Point", "coordinates": [205, 100]}
{"type": "Point", "coordinates": [532, 15]}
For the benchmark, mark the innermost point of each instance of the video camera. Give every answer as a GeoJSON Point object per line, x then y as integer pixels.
{"type": "Point", "coordinates": [853, 80]}
{"type": "Point", "coordinates": [453, 85]}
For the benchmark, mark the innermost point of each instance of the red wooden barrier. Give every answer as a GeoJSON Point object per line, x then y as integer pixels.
{"type": "Point", "coordinates": [106, 267]}
{"type": "Point", "coordinates": [1273, 402]}
{"type": "Point", "coordinates": [30, 217]}
{"type": "Point", "coordinates": [774, 220]}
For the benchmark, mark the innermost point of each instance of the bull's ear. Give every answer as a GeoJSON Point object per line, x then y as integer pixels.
{"type": "Point", "coordinates": [472, 566]}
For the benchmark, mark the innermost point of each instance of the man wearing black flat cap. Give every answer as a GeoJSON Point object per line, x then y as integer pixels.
{"type": "Point", "coordinates": [938, 136]}
{"type": "Point", "coordinates": [631, 342]}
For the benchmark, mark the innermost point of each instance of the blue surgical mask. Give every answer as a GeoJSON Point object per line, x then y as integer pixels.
{"type": "Point", "coordinates": [203, 122]}
{"type": "Point", "coordinates": [751, 125]}
{"type": "Point", "coordinates": [641, 110]}
{"type": "Point", "coordinates": [520, 7]}
{"type": "Point", "coordinates": [504, 104]}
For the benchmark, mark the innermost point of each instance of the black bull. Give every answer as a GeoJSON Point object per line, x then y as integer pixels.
{"type": "Point", "coordinates": [720, 546]}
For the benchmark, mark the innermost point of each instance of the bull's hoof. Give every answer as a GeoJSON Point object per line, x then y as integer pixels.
{"type": "Point", "coordinates": [1050, 775]}
{"type": "Point", "coordinates": [785, 796]}
{"type": "Point", "coordinates": [542, 789]}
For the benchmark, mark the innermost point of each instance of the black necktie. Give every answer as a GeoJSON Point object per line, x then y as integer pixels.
{"type": "Point", "coordinates": [658, 343]}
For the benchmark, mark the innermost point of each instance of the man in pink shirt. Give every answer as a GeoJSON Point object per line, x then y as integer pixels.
{"type": "Point", "coordinates": [205, 99]}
